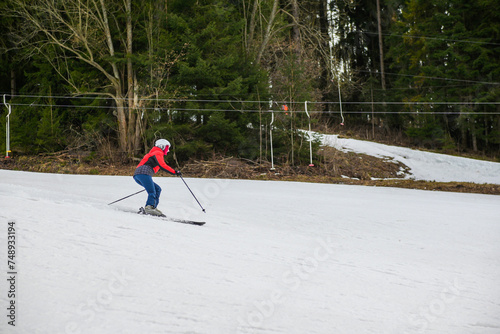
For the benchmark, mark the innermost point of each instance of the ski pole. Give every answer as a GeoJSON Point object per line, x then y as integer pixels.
{"type": "Point", "coordinates": [192, 194]}
{"type": "Point", "coordinates": [121, 199]}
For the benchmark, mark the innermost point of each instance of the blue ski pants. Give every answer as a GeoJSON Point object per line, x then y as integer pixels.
{"type": "Point", "coordinates": [152, 188]}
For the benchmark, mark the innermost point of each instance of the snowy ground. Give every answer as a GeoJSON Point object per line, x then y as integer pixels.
{"type": "Point", "coordinates": [424, 165]}
{"type": "Point", "coordinates": [274, 257]}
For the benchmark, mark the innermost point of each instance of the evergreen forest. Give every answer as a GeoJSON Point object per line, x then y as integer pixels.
{"type": "Point", "coordinates": [215, 77]}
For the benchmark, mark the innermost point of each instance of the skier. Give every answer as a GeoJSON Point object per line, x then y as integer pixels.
{"type": "Point", "coordinates": [149, 165]}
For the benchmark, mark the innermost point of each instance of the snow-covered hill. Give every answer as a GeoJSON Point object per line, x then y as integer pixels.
{"type": "Point", "coordinates": [274, 257]}
{"type": "Point", "coordinates": [423, 165]}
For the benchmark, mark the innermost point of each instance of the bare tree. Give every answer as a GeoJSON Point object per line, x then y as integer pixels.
{"type": "Point", "coordinates": [251, 22]}
{"type": "Point", "coordinates": [268, 30]}
{"type": "Point", "coordinates": [90, 32]}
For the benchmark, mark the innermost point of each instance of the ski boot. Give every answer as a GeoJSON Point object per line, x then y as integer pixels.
{"type": "Point", "coordinates": [150, 210]}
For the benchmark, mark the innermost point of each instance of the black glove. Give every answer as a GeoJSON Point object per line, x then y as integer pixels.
{"type": "Point", "coordinates": [178, 173]}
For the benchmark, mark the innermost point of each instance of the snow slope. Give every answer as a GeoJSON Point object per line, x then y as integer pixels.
{"type": "Point", "coordinates": [424, 165]}
{"type": "Point", "coordinates": [274, 257]}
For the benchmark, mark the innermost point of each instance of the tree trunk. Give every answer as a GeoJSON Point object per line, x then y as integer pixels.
{"type": "Point", "coordinates": [296, 30]}
{"type": "Point", "coordinates": [122, 122]}
{"type": "Point", "coordinates": [131, 145]}
{"type": "Point", "coordinates": [12, 82]}
{"type": "Point", "coordinates": [380, 45]}
{"type": "Point", "coordinates": [473, 134]}
{"type": "Point", "coordinates": [267, 34]}
{"type": "Point", "coordinates": [138, 120]}
{"type": "Point", "coordinates": [119, 98]}
{"type": "Point", "coordinates": [251, 25]}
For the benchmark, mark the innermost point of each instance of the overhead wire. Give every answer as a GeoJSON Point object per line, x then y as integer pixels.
{"type": "Point", "coordinates": [236, 101]}
{"type": "Point", "coordinates": [430, 37]}
{"type": "Point", "coordinates": [176, 109]}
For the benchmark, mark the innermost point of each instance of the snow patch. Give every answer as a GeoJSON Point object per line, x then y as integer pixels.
{"type": "Point", "coordinates": [274, 257]}
{"type": "Point", "coordinates": [423, 165]}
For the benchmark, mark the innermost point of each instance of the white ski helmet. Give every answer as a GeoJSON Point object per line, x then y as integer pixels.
{"type": "Point", "coordinates": [163, 144]}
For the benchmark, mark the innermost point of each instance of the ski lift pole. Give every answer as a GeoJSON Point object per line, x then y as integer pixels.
{"type": "Point", "coordinates": [271, 140]}
{"type": "Point", "coordinates": [7, 131]}
{"type": "Point", "coordinates": [340, 101]}
{"type": "Point", "coordinates": [310, 139]}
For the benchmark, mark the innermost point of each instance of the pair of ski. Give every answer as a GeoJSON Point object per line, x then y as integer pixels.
{"type": "Point", "coordinates": [176, 220]}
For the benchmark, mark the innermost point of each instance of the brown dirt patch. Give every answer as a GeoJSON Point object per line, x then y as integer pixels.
{"type": "Point", "coordinates": [335, 167]}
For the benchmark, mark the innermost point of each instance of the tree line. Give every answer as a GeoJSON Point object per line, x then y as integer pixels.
{"type": "Point", "coordinates": [211, 75]}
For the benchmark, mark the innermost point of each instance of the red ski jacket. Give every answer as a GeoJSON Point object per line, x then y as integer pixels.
{"type": "Point", "coordinates": [154, 159]}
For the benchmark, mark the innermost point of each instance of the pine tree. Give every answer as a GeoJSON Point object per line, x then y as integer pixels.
{"type": "Point", "coordinates": [450, 53]}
